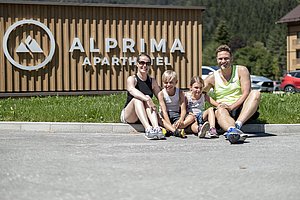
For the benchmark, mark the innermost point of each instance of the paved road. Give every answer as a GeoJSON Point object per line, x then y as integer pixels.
{"type": "Point", "coordinates": [42, 166]}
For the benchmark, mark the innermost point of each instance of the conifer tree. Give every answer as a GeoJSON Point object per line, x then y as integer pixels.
{"type": "Point", "coordinates": [222, 34]}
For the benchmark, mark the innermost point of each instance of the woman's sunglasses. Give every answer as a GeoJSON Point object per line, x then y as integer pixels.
{"type": "Point", "coordinates": [144, 63]}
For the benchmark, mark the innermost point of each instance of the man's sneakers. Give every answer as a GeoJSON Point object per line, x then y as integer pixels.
{"type": "Point", "coordinates": [235, 135]}
{"type": "Point", "coordinates": [154, 133]}
{"type": "Point", "coordinates": [237, 125]}
{"type": "Point", "coordinates": [203, 129]}
{"type": "Point", "coordinates": [243, 136]}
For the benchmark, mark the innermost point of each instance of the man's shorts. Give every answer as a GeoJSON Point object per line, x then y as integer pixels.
{"type": "Point", "coordinates": [236, 112]}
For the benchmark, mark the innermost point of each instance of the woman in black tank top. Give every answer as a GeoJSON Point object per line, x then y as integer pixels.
{"type": "Point", "coordinates": [139, 106]}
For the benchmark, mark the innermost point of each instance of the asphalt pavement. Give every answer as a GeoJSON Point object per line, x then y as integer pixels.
{"type": "Point", "coordinates": [41, 165]}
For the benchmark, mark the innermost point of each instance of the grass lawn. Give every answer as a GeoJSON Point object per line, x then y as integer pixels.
{"type": "Point", "coordinates": [274, 108]}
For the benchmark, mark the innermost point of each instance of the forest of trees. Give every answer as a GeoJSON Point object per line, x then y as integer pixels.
{"type": "Point", "coordinates": [248, 27]}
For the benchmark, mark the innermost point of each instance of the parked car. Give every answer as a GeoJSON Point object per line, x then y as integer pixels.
{"type": "Point", "coordinates": [207, 70]}
{"type": "Point", "coordinates": [277, 85]}
{"type": "Point", "coordinates": [261, 83]}
{"type": "Point", "coordinates": [291, 81]}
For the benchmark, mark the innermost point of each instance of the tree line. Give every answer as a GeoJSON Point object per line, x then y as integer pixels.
{"type": "Point", "coordinates": [248, 27]}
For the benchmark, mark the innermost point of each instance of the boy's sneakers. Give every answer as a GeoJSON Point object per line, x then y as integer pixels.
{"type": "Point", "coordinates": [159, 132]}
{"type": "Point", "coordinates": [179, 133]}
{"type": "Point", "coordinates": [203, 129]}
{"type": "Point", "coordinates": [151, 134]}
{"type": "Point", "coordinates": [166, 132]}
{"type": "Point", "coordinates": [212, 133]}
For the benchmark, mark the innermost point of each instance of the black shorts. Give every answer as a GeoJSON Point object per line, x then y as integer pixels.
{"type": "Point", "coordinates": [236, 113]}
{"type": "Point", "coordinates": [173, 116]}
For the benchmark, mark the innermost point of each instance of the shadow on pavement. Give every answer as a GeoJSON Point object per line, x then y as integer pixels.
{"type": "Point", "coordinates": [137, 127]}
{"type": "Point", "coordinates": [260, 134]}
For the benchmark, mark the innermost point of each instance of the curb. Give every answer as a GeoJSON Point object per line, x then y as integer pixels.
{"type": "Point", "coordinates": [70, 127]}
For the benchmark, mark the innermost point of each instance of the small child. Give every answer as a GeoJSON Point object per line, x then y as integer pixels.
{"type": "Point", "coordinates": [203, 120]}
{"type": "Point", "coordinates": [173, 105]}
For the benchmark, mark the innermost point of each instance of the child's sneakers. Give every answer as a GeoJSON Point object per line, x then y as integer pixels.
{"type": "Point", "coordinates": [179, 133]}
{"type": "Point", "coordinates": [203, 129]}
{"type": "Point", "coordinates": [212, 133]}
{"type": "Point", "coordinates": [165, 132]}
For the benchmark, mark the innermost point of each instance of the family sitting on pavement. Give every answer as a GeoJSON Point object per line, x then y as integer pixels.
{"type": "Point", "coordinates": [233, 105]}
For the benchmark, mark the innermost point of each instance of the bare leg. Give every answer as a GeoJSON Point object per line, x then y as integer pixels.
{"type": "Point", "coordinates": [152, 116]}
{"type": "Point", "coordinates": [250, 106]}
{"type": "Point", "coordinates": [209, 115]}
{"type": "Point", "coordinates": [194, 127]}
{"type": "Point", "coordinates": [135, 110]}
{"type": "Point", "coordinates": [188, 121]}
{"type": "Point", "coordinates": [224, 119]}
{"type": "Point", "coordinates": [167, 125]}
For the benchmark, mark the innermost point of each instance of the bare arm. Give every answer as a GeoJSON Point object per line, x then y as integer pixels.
{"type": "Point", "coordinates": [155, 87]}
{"type": "Point", "coordinates": [209, 83]}
{"type": "Point", "coordinates": [182, 104]}
{"type": "Point", "coordinates": [163, 107]}
{"type": "Point", "coordinates": [211, 100]}
{"type": "Point", "coordinates": [131, 82]}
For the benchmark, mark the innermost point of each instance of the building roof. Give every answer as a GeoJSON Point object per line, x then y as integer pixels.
{"type": "Point", "coordinates": [293, 16]}
{"type": "Point", "coordinates": [88, 3]}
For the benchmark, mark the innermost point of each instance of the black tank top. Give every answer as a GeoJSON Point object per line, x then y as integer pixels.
{"type": "Point", "coordinates": [144, 86]}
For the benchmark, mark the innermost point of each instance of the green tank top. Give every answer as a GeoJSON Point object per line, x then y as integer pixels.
{"type": "Point", "coordinates": [228, 92]}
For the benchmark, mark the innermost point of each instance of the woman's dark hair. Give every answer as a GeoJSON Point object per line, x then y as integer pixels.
{"type": "Point", "coordinates": [143, 54]}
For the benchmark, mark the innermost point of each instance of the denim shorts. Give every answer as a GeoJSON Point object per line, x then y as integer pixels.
{"type": "Point", "coordinates": [199, 118]}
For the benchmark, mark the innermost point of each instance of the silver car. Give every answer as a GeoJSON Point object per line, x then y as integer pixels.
{"type": "Point", "coordinates": [207, 70]}
{"type": "Point", "coordinates": [261, 83]}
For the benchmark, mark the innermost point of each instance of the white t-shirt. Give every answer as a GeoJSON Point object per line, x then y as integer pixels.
{"type": "Point", "coordinates": [193, 105]}
{"type": "Point", "coordinates": [172, 102]}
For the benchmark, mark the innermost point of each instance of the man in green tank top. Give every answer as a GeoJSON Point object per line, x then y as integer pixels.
{"type": "Point", "coordinates": [235, 102]}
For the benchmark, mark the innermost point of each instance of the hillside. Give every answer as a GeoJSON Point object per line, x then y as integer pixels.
{"type": "Point", "coordinates": [248, 27]}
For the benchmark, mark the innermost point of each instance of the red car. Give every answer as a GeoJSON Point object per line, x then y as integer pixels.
{"type": "Point", "coordinates": [291, 82]}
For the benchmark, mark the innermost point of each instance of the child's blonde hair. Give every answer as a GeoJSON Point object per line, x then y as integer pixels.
{"type": "Point", "coordinates": [169, 75]}
{"type": "Point", "coordinates": [197, 79]}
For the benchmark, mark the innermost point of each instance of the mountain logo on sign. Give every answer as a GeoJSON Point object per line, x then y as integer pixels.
{"type": "Point", "coordinates": [30, 45]}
